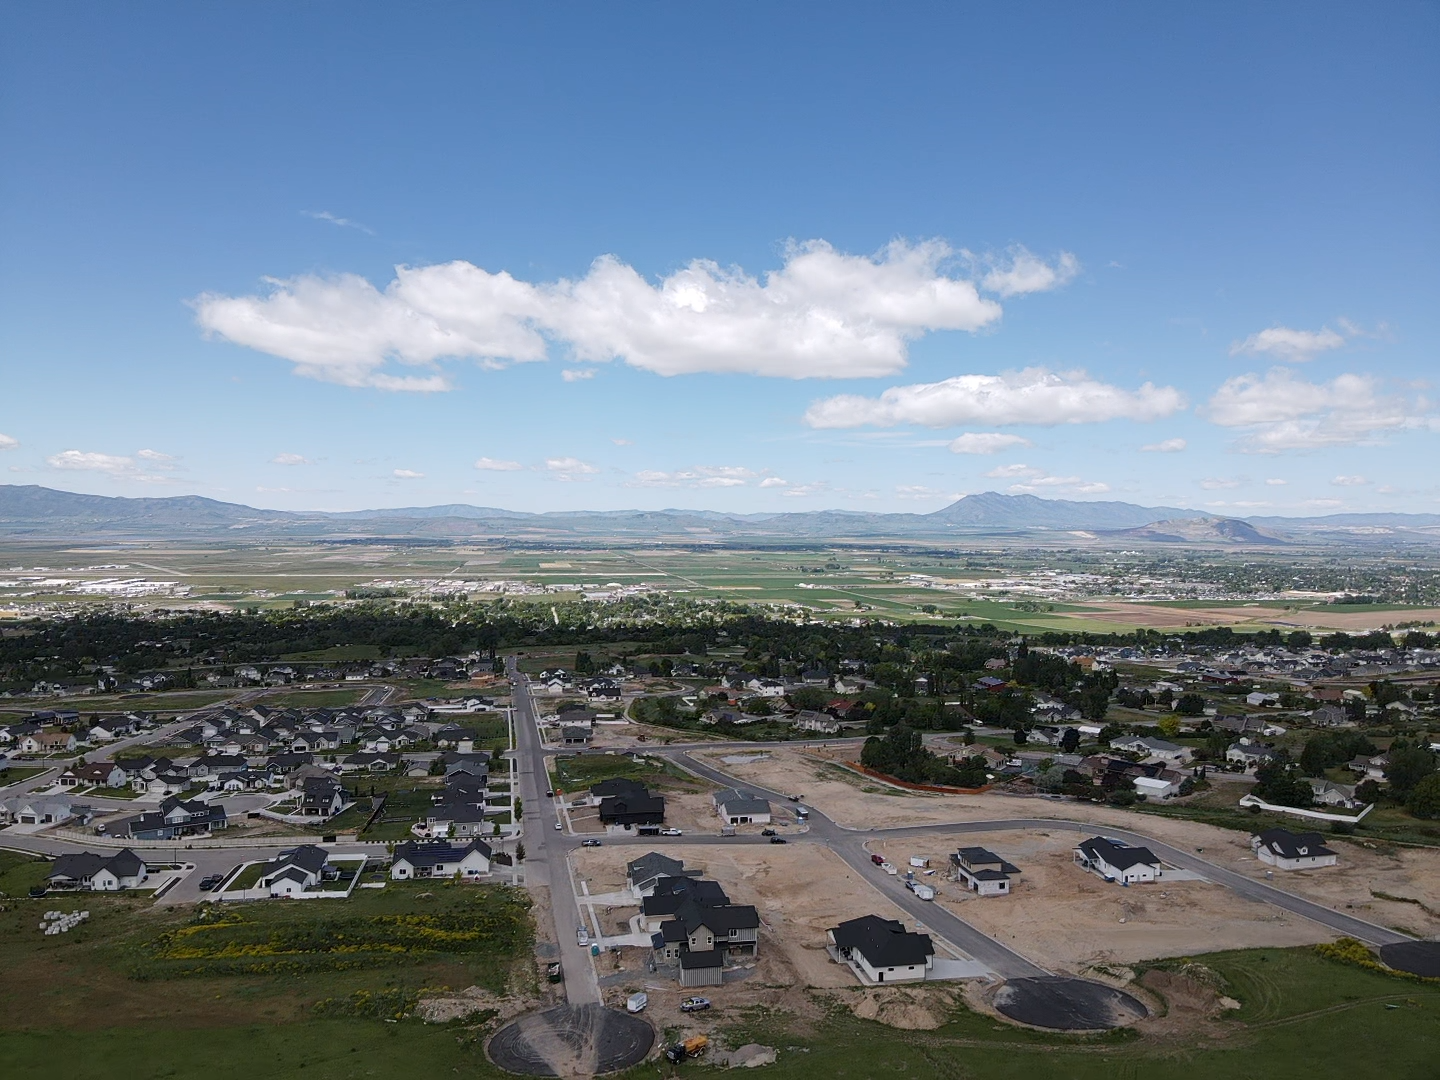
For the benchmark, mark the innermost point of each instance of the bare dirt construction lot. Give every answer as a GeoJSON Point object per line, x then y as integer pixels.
{"type": "Point", "coordinates": [1330, 617]}
{"type": "Point", "coordinates": [1365, 869]}
{"type": "Point", "coordinates": [799, 890]}
{"type": "Point", "coordinates": [1067, 919]}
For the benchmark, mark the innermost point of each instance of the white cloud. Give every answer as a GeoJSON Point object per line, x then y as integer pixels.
{"type": "Point", "coordinates": [569, 469]}
{"type": "Point", "coordinates": [1030, 480]}
{"type": "Point", "coordinates": [823, 314]}
{"type": "Point", "coordinates": [1215, 483]}
{"type": "Point", "coordinates": [804, 491]}
{"type": "Point", "coordinates": [1021, 272]}
{"type": "Point", "coordinates": [1324, 504]}
{"type": "Point", "coordinates": [1349, 481]}
{"type": "Point", "coordinates": [623, 442]}
{"type": "Point", "coordinates": [1165, 446]}
{"type": "Point", "coordinates": [8, 442]}
{"type": "Point", "coordinates": [1275, 481]}
{"type": "Point", "coordinates": [1293, 346]}
{"type": "Point", "coordinates": [701, 476]}
{"type": "Point", "coordinates": [774, 482]}
{"type": "Point", "coordinates": [1282, 412]}
{"type": "Point", "coordinates": [577, 374]}
{"type": "Point", "coordinates": [1031, 396]}
{"type": "Point", "coordinates": [118, 466]}
{"type": "Point", "coordinates": [986, 442]}
{"type": "Point", "coordinates": [156, 458]}
{"type": "Point", "coordinates": [290, 459]}
{"type": "Point", "coordinates": [487, 464]}
{"type": "Point", "coordinates": [344, 223]}
{"type": "Point", "coordinates": [408, 474]}
{"type": "Point", "coordinates": [923, 493]}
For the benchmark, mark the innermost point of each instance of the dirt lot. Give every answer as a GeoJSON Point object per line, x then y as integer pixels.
{"type": "Point", "coordinates": [782, 883]}
{"type": "Point", "coordinates": [1068, 920]}
{"type": "Point", "coordinates": [1364, 869]}
{"type": "Point", "coordinates": [1328, 618]}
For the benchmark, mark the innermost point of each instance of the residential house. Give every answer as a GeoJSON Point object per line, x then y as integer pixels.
{"type": "Point", "coordinates": [669, 893]}
{"type": "Point", "coordinates": [1250, 755]}
{"type": "Point", "coordinates": [100, 774]}
{"type": "Point", "coordinates": [575, 735]}
{"type": "Point", "coordinates": [1370, 768]}
{"type": "Point", "coordinates": [1115, 861]}
{"type": "Point", "coordinates": [1330, 716]}
{"type": "Point", "coordinates": [982, 871]}
{"type": "Point", "coordinates": [1285, 850]}
{"type": "Point", "coordinates": [174, 819]}
{"type": "Point", "coordinates": [816, 723]}
{"type": "Point", "coordinates": [296, 871]}
{"type": "Point", "coordinates": [1151, 748]}
{"type": "Point", "coordinates": [322, 797]}
{"type": "Point", "coordinates": [736, 807]}
{"type": "Point", "coordinates": [632, 806]}
{"type": "Point", "coordinates": [46, 742]}
{"type": "Point", "coordinates": [643, 874]}
{"type": "Point", "coordinates": [35, 809]}
{"type": "Point", "coordinates": [437, 860]}
{"type": "Point", "coordinates": [1154, 787]}
{"type": "Point", "coordinates": [881, 950]}
{"type": "Point", "coordinates": [98, 873]}
{"type": "Point", "coordinates": [1327, 793]}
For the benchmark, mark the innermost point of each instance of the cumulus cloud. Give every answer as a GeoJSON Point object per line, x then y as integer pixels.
{"type": "Point", "coordinates": [487, 464]}
{"type": "Point", "coordinates": [1031, 396]}
{"type": "Point", "coordinates": [1019, 272]}
{"type": "Point", "coordinates": [1350, 481]}
{"type": "Point", "coordinates": [1165, 446]}
{"type": "Point", "coordinates": [567, 469]}
{"type": "Point", "coordinates": [577, 374]}
{"type": "Point", "coordinates": [1285, 343]}
{"type": "Point", "coordinates": [1215, 483]}
{"type": "Point", "coordinates": [290, 459]}
{"type": "Point", "coordinates": [1279, 411]}
{"type": "Point", "coordinates": [701, 476]}
{"type": "Point", "coordinates": [118, 466]}
{"type": "Point", "coordinates": [1275, 481]}
{"type": "Point", "coordinates": [623, 442]}
{"type": "Point", "coordinates": [155, 457]}
{"type": "Point", "coordinates": [774, 482]}
{"type": "Point", "coordinates": [8, 442]}
{"type": "Point", "coordinates": [805, 491]}
{"type": "Point", "coordinates": [1029, 481]}
{"type": "Point", "coordinates": [822, 314]}
{"type": "Point", "coordinates": [408, 474]}
{"type": "Point", "coordinates": [986, 442]}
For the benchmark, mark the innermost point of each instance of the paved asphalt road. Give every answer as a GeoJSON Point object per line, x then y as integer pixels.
{"type": "Point", "coordinates": [546, 847]}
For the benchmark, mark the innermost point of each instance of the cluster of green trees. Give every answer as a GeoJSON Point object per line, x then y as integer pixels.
{"type": "Point", "coordinates": [901, 753]}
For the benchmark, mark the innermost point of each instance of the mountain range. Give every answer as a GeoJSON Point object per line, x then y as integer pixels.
{"type": "Point", "coordinates": [35, 512]}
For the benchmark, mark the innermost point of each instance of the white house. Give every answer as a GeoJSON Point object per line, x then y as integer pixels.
{"type": "Point", "coordinates": [1151, 748]}
{"type": "Point", "coordinates": [982, 871]}
{"type": "Point", "coordinates": [99, 873]}
{"type": "Point", "coordinates": [1115, 861]}
{"type": "Point", "coordinates": [1285, 850]}
{"type": "Point", "coordinates": [296, 871]}
{"type": "Point", "coordinates": [881, 950]}
{"type": "Point", "coordinates": [413, 860]}
{"type": "Point", "coordinates": [735, 807]}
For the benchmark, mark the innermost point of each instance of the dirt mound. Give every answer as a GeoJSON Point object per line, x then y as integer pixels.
{"type": "Point", "coordinates": [444, 1007]}
{"type": "Point", "coordinates": [749, 1056]}
{"type": "Point", "coordinates": [1181, 993]}
{"type": "Point", "coordinates": [907, 1009]}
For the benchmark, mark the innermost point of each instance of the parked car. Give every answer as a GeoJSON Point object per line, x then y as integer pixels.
{"type": "Point", "coordinates": [210, 881]}
{"type": "Point", "coordinates": [558, 826]}
{"type": "Point", "coordinates": [767, 832]}
{"type": "Point", "coordinates": [549, 794]}
{"type": "Point", "coordinates": [878, 860]}
{"type": "Point", "coordinates": [694, 1004]}
{"type": "Point", "coordinates": [591, 842]}
{"type": "Point", "coordinates": [671, 832]}
{"type": "Point", "coordinates": [777, 840]}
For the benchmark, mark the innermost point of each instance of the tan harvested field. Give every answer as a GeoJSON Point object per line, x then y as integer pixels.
{"type": "Point", "coordinates": [1364, 869]}
{"type": "Point", "coordinates": [1252, 616]}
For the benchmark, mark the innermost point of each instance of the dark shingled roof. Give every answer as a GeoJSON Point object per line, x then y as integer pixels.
{"type": "Point", "coordinates": [1120, 856]}
{"type": "Point", "coordinates": [883, 942]}
{"type": "Point", "coordinates": [1290, 845]}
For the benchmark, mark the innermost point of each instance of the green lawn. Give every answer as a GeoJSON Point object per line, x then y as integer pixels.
{"type": "Point", "coordinates": [1302, 1018]}
{"type": "Point", "coordinates": [17, 773]}
{"type": "Point", "coordinates": [19, 873]}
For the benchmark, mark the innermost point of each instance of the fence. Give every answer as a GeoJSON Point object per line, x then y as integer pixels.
{"type": "Point", "coordinates": [1316, 815]}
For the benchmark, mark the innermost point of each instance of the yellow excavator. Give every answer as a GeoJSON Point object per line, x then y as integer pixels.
{"type": "Point", "coordinates": [691, 1047]}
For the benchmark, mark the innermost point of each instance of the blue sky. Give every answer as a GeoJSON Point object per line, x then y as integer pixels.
{"type": "Point", "coordinates": [732, 257]}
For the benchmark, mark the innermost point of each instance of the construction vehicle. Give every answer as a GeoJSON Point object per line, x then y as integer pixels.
{"type": "Point", "coordinates": [690, 1048]}
{"type": "Point", "coordinates": [554, 973]}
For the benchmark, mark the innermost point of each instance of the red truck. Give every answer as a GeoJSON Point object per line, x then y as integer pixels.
{"type": "Point", "coordinates": [878, 860]}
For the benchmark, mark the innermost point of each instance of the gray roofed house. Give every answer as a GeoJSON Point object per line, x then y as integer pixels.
{"type": "Point", "coordinates": [1115, 861]}
{"type": "Point", "coordinates": [98, 873]}
{"type": "Point", "coordinates": [669, 893]}
{"type": "Point", "coordinates": [644, 873]}
{"type": "Point", "coordinates": [437, 860]}
{"type": "Point", "coordinates": [881, 950]}
{"type": "Point", "coordinates": [737, 807]}
{"type": "Point", "coordinates": [296, 871]}
{"type": "Point", "coordinates": [982, 871]}
{"type": "Point", "coordinates": [1292, 851]}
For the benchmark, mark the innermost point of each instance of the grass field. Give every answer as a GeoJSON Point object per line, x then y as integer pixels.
{"type": "Point", "coordinates": [1301, 1018]}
